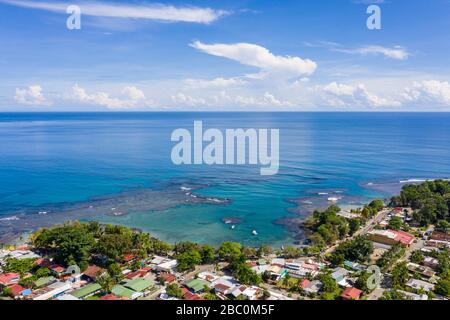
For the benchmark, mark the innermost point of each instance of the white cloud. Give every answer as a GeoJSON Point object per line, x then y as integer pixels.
{"type": "Point", "coordinates": [186, 100]}
{"type": "Point", "coordinates": [339, 89]}
{"type": "Point", "coordinates": [259, 57]}
{"type": "Point", "coordinates": [224, 99]}
{"type": "Point", "coordinates": [429, 91]}
{"type": "Point", "coordinates": [31, 96]}
{"type": "Point", "coordinates": [131, 97]}
{"type": "Point", "coordinates": [113, 10]}
{"type": "Point", "coordinates": [271, 100]}
{"type": "Point", "coordinates": [346, 95]}
{"type": "Point", "coordinates": [133, 93]}
{"type": "Point", "coordinates": [395, 52]}
{"type": "Point", "coordinates": [214, 83]}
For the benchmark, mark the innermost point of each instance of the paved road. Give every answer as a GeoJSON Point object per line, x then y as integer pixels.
{"type": "Point", "coordinates": [371, 223]}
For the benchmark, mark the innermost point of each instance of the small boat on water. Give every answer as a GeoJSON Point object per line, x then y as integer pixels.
{"type": "Point", "coordinates": [232, 227]}
{"type": "Point", "coordinates": [254, 233]}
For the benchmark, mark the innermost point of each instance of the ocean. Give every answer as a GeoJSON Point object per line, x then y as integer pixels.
{"type": "Point", "coordinates": [116, 168]}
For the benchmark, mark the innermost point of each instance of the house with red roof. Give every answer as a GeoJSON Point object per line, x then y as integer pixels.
{"type": "Point", "coordinates": [304, 283]}
{"type": "Point", "coordinates": [351, 294]}
{"type": "Point", "coordinates": [187, 295]}
{"type": "Point", "coordinates": [111, 297]}
{"type": "Point", "coordinates": [56, 268]}
{"type": "Point", "coordinates": [391, 237]}
{"type": "Point", "coordinates": [43, 262]}
{"type": "Point", "coordinates": [7, 279]}
{"type": "Point", "coordinates": [92, 272]}
{"type": "Point", "coordinates": [128, 257]}
{"type": "Point", "coordinates": [17, 290]}
{"type": "Point", "coordinates": [138, 274]}
{"type": "Point", "coordinates": [166, 277]}
{"type": "Point", "coordinates": [222, 288]}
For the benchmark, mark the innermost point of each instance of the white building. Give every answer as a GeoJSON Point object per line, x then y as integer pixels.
{"type": "Point", "coordinates": [420, 285]}
{"type": "Point", "coordinates": [52, 291]}
{"type": "Point", "coordinates": [167, 266]}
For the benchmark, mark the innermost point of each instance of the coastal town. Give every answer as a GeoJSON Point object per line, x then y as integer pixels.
{"type": "Point", "coordinates": [387, 250]}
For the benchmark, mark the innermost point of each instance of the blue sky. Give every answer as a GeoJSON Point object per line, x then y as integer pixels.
{"type": "Point", "coordinates": [229, 55]}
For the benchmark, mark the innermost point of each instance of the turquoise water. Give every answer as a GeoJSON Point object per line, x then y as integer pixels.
{"type": "Point", "coordinates": [60, 159]}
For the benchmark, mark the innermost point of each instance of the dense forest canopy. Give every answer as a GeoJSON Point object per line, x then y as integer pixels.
{"type": "Point", "coordinates": [430, 200]}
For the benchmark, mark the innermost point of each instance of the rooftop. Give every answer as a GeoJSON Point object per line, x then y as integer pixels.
{"type": "Point", "coordinates": [351, 294]}
{"type": "Point", "coordinates": [399, 236]}
{"type": "Point", "coordinates": [197, 285]}
{"type": "Point", "coordinates": [121, 291]}
{"type": "Point", "coordinates": [87, 290]}
{"type": "Point", "coordinates": [138, 284]}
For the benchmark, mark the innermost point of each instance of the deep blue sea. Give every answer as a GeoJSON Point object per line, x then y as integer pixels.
{"type": "Point", "coordinates": [61, 159]}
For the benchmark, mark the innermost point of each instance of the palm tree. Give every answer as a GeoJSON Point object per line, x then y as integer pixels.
{"type": "Point", "coordinates": [106, 282]}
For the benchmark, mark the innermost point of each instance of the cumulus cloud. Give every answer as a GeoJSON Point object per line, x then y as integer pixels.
{"type": "Point", "coordinates": [224, 99]}
{"type": "Point", "coordinates": [256, 56]}
{"type": "Point", "coordinates": [133, 11]}
{"type": "Point", "coordinates": [130, 97]}
{"type": "Point", "coordinates": [187, 100]}
{"type": "Point", "coordinates": [339, 89]}
{"type": "Point", "coordinates": [31, 96]}
{"type": "Point", "coordinates": [343, 95]}
{"type": "Point", "coordinates": [429, 91]}
{"type": "Point", "coordinates": [270, 100]}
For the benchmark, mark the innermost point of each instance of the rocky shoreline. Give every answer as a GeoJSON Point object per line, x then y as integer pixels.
{"type": "Point", "coordinates": [15, 224]}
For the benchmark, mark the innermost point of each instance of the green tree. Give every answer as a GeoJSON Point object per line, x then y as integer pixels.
{"type": "Point", "coordinates": [391, 256]}
{"type": "Point", "coordinates": [429, 200]}
{"type": "Point", "coordinates": [443, 287]}
{"type": "Point", "coordinates": [185, 246]}
{"type": "Point", "coordinates": [188, 260]}
{"type": "Point", "coordinates": [159, 247]}
{"type": "Point", "coordinates": [7, 292]}
{"type": "Point", "coordinates": [43, 272]}
{"type": "Point", "coordinates": [443, 226]}
{"type": "Point", "coordinates": [106, 282]}
{"type": "Point", "coordinates": [417, 257]}
{"type": "Point", "coordinates": [400, 275]}
{"type": "Point", "coordinates": [245, 275]}
{"type": "Point", "coordinates": [362, 281]}
{"type": "Point", "coordinates": [290, 252]}
{"type": "Point", "coordinates": [174, 291]}
{"type": "Point", "coordinates": [396, 223]}
{"type": "Point", "coordinates": [328, 283]}
{"type": "Point", "coordinates": [114, 245]}
{"type": "Point", "coordinates": [23, 266]}
{"type": "Point", "coordinates": [443, 264]}
{"type": "Point", "coordinates": [249, 252]}
{"type": "Point", "coordinates": [264, 250]}
{"type": "Point", "coordinates": [69, 244]}
{"type": "Point", "coordinates": [392, 294]}
{"type": "Point", "coordinates": [229, 250]}
{"type": "Point", "coordinates": [208, 254]}
{"type": "Point", "coordinates": [358, 249]}
{"type": "Point", "coordinates": [115, 272]}
{"type": "Point", "coordinates": [354, 225]}
{"type": "Point", "coordinates": [376, 205]}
